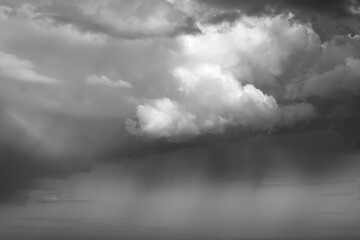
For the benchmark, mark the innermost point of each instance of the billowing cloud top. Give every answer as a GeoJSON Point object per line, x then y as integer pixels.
{"type": "Point", "coordinates": [103, 79]}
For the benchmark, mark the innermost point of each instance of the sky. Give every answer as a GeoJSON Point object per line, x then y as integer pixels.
{"type": "Point", "coordinates": [154, 93]}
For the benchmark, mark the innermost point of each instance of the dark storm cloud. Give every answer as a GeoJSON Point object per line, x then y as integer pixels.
{"type": "Point", "coordinates": [14, 172]}
{"type": "Point", "coordinates": [342, 115]}
{"type": "Point", "coordinates": [312, 149]}
{"type": "Point", "coordinates": [66, 145]}
{"type": "Point", "coordinates": [235, 155]}
{"type": "Point", "coordinates": [224, 17]}
{"type": "Point", "coordinates": [333, 8]}
{"type": "Point", "coordinates": [329, 18]}
{"type": "Point", "coordinates": [18, 160]}
{"type": "Point", "coordinates": [199, 115]}
{"type": "Point", "coordinates": [253, 160]}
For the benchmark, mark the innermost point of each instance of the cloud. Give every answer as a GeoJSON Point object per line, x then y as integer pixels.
{"type": "Point", "coordinates": [333, 69]}
{"type": "Point", "coordinates": [39, 19]}
{"type": "Point", "coordinates": [163, 118]}
{"type": "Point", "coordinates": [354, 7]}
{"type": "Point", "coordinates": [248, 107]}
{"type": "Point", "coordinates": [41, 144]}
{"type": "Point", "coordinates": [109, 19]}
{"type": "Point", "coordinates": [328, 18]}
{"type": "Point", "coordinates": [335, 8]}
{"type": "Point", "coordinates": [213, 81]}
{"type": "Point", "coordinates": [137, 21]}
{"type": "Point", "coordinates": [341, 78]}
{"type": "Point", "coordinates": [19, 69]}
{"type": "Point", "coordinates": [104, 80]}
{"type": "Point", "coordinates": [63, 52]}
{"type": "Point", "coordinates": [209, 72]}
{"type": "Point", "coordinates": [255, 50]}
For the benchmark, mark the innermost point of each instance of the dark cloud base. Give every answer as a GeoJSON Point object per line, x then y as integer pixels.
{"type": "Point", "coordinates": [238, 155]}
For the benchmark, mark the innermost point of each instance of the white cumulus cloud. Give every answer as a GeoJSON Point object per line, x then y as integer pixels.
{"type": "Point", "coordinates": [163, 118]}
{"type": "Point", "coordinates": [215, 79]}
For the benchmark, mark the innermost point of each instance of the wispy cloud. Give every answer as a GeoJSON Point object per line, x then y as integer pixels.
{"type": "Point", "coordinates": [19, 69]}
{"type": "Point", "coordinates": [104, 80]}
